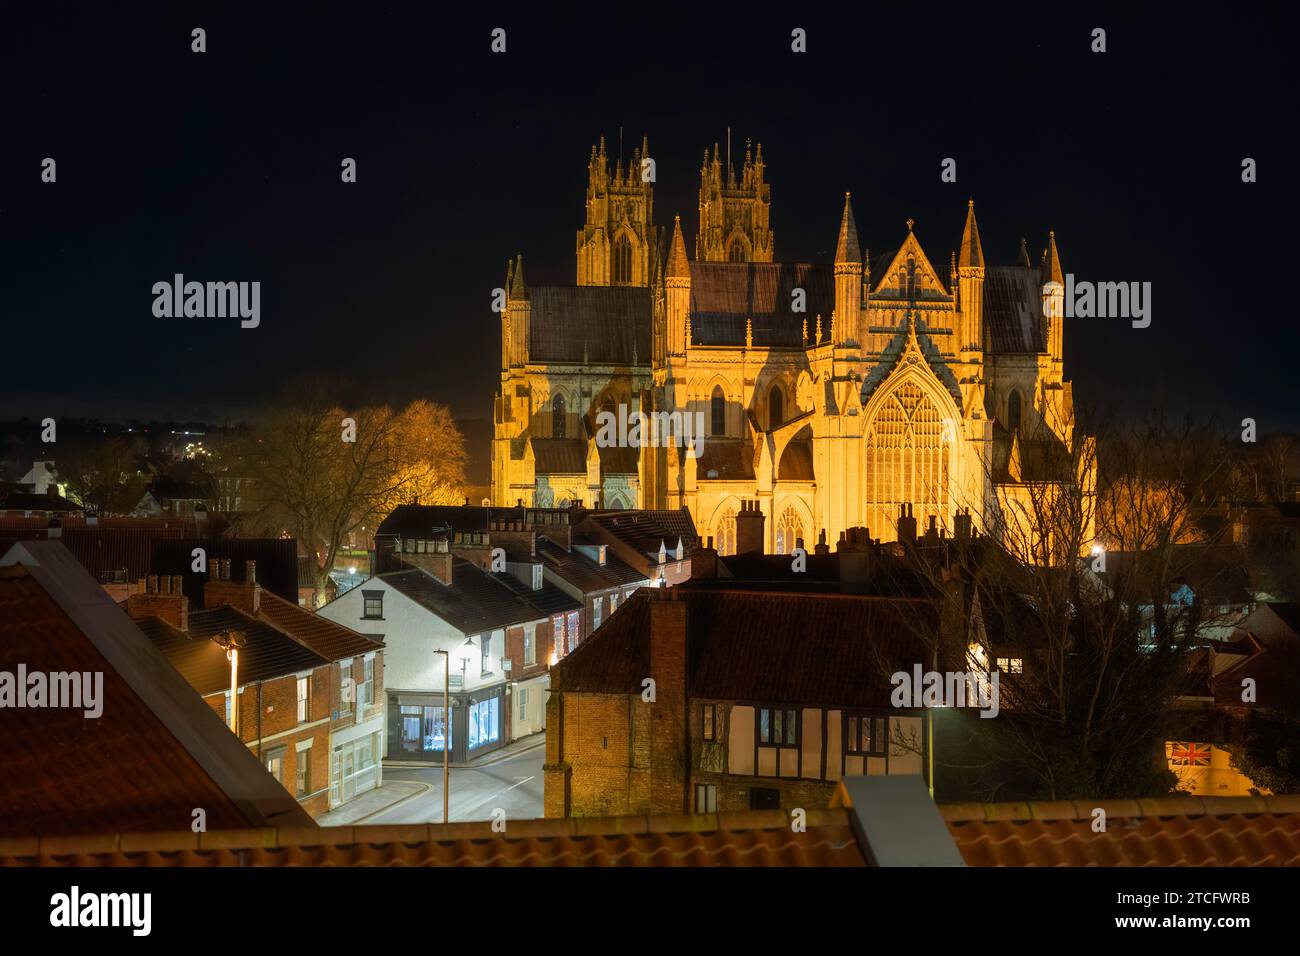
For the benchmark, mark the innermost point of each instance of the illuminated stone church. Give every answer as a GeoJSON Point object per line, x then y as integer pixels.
{"type": "Point", "coordinates": [833, 394]}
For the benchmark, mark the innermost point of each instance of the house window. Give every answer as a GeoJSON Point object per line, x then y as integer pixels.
{"type": "Point", "coordinates": [275, 764]}
{"type": "Point", "coordinates": [347, 688]}
{"type": "Point", "coordinates": [777, 727]}
{"type": "Point", "coordinates": [302, 773]}
{"type": "Point", "coordinates": [374, 605]}
{"type": "Point", "coordinates": [227, 708]}
{"type": "Point", "coordinates": [613, 602]}
{"type": "Point", "coordinates": [530, 644]}
{"type": "Point", "coordinates": [304, 699]}
{"type": "Point", "coordinates": [706, 798]}
{"type": "Point", "coordinates": [1012, 665]}
{"type": "Point", "coordinates": [573, 630]}
{"type": "Point", "coordinates": [366, 694]}
{"type": "Point", "coordinates": [708, 721]}
{"type": "Point", "coordinates": [485, 645]}
{"type": "Point", "coordinates": [866, 736]}
{"type": "Point", "coordinates": [622, 260]}
{"type": "Point", "coordinates": [559, 638]}
{"type": "Point", "coordinates": [718, 412]}
{"type": "Point", "coordinates": [522, 697]}
{"type": "Point", "coordinates": [595, 612]}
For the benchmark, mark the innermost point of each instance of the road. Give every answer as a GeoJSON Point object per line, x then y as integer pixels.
{"type": "Point", "coordinates": [513, 785]}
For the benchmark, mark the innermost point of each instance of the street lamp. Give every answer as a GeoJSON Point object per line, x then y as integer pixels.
{"type": "Point", "coordinates": [446, 730]}
{"type": "Point", "coordinates": [232, 641]}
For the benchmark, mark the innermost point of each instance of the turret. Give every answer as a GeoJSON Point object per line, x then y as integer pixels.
{"type": "Point", "coordinates": [848, 279]}
{"type": "Point", "coordinates": [677, 283]}
{"type": "Point", "coordinates": [1053, 298]}
{"type": "Point", "coordinates": [970, 278]}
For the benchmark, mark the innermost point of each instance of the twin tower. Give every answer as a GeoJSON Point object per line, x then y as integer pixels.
{"type": "Point", "coordinates": [619, 243]}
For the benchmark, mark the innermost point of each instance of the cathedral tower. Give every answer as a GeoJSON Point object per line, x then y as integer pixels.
{"type": "Point", "coordinates": [733, 213]}
{"type": "Point", "coordinates": [614, 246]}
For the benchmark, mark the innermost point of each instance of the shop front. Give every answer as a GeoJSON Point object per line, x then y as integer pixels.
{"type": "Point", "coordinates": [418, 730]}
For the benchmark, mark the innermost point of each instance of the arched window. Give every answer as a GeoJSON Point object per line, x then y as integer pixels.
{"type": "Point", "coordinates": [558, 418]}
{"type": "Point", "coordinates": [718, 412]}
{"type": "Point", "coordinates": [775, 409]}
{"type": "Point", "coordinates": [724, 535]}
{"type": "Point", "coordinates": [622, 260]}
{"type": "Point", "coordinates": [736, 251]}
{"type": "Point", "coordinates": [789, 531]}
{"type": "Point", "coordinates": [1013, 411]}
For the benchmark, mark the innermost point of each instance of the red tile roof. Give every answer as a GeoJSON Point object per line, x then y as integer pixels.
{"type": "Point", "coordinates": [1171, 831]}
{"type": "Point", "coordinates": [327, 638]}
{"type": "Point", "coordinates": [1167, 832]}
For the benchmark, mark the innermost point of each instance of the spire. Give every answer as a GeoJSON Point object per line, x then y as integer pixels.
{"type": "Point", "coordinates": [518, 290]}
{"type": "Point", "coordinates": [847, 249]}
{"type": "Point", "coordinates": [1024, 253]}
{"type": "Point", "coordinates": [972, 253]}
{"type": "Point", "coordinates": [678, 267]}
{"type": "Point", "coordinates": [1052, 264]}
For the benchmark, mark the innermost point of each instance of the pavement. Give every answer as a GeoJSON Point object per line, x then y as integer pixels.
{"type": "Point", "coordinates": [509, 779]}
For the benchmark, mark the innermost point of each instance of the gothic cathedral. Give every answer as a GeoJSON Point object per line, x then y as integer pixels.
{"type": "Point", "coordinates": [836, 395]}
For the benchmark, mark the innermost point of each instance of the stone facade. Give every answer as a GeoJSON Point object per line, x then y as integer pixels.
{"type": "Point", "coordinates": [835, 394]}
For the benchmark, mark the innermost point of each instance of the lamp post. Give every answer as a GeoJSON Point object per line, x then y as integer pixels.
{"type": "Point", "coordinates": [232, 641]}
{"type": "Point", "coordinates": [446, 730]}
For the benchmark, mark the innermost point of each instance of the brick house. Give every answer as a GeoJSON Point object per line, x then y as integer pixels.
{"type": "Point", "coordinates": [310, 700]}
{"type": "Point", "coordinates": [761, 698]}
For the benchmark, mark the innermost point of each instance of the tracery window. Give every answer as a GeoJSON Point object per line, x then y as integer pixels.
{"type": "Point", "coordinates": [622, 260]}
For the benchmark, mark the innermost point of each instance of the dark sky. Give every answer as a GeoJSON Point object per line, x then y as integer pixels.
{"type": "Point", "coordinates": [225, 166]}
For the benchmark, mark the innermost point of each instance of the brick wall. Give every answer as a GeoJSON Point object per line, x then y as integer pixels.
{"type": "Point", "coordinates": [597, 755]}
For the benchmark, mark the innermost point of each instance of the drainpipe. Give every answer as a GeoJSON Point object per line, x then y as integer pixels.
{"type": "Point", "coordinates": [259, 720]}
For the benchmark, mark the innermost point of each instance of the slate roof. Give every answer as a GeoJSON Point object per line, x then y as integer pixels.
{"type": "Point", "coordinates": [267, 652]}
{"type": "Point", "coordinates": [611, 323]}
{"type": "Point", "coordinates": [476, 601]}
{"type": "Point", "coordinates": [156, 752]}
{"type": "Point", "coordinates": [778, 647]}
{"type": "Point", "coordinates": [420, 521]}
{"type": "Point", "coordinates": [559, 456]}
{"type": "Point", "coordinates": [726, 294]}
{"type": "Point", "coordinates": [548, 599]}
{"type": "Point", "coordinates": [733, 460]}
{"type": "Point", "coordinates": [644, 530]}
{"type": "Point", "coordinates": [103, 551]}
{"type": "Point", "coordinates": [582, 572]}
{"type": "Point", "coordinates": [27, 501]}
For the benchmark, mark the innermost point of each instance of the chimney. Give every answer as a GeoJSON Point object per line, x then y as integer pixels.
{"type": "Point", "coordinates": [245, 595]}
{"type": "Point", "coordinates": [906, 525]}
{"type": "Point", "coordinates": [821, 547]}
{"type": "Point", "coordinates": [856, 552]}
{"type": "Point", "coordinates": [172, 607]}
{"type": "Point", "coordinates": [961, 525]}
{"type": "Point", "coordinates": [749, 528]}
{"type": "Point", "coordinates": [704, 561]}
{"type": "Point", "coordinates": [931, 532]}
{"type": "Point", "coordinates": [668, 713]}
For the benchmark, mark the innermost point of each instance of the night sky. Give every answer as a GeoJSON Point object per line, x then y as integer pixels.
{"type": "Point", "coordinates": [225, 166]}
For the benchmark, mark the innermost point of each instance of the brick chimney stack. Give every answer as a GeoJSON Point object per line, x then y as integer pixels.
{"type": "Point", "coordinates": [704, 561]}
{"type": "Point", "coordinates": [749, 528]}
{"type": "Point", "coordinates": [821, 547]}
{"type": "Point", "coordinates": [246, 595]}
{"type": "Point", "coordinates": [961, 525]}
{"type": "Point", "coordinates": [668, 712]}
{"type": "Point", "coordinates": [160, 597]}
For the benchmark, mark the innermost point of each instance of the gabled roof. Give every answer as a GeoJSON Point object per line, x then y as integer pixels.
{"type": "Point", "coordinates": [887, 280]}
{"type": "Point", "coordinates": [103, 551]}
{"type": "Point", "coordinates": [475, 601]}
{"type": "Point", "coordinates": [548, 599]}
{"type": "Point", "coordinates": [583, 573]}
{"type": "Point", "coordinates": [267, 652]}
{"type": "Point", "coordinates": [327, 638]}
{"type": "Point", "coordinates": [602, 325]}
{"type": "Point", "coordinates": [1013, 311]}
{"type": "Point", "coordinates": [644, 530]}
{"type": "Point", "coordinates": [156, 752]}
{"type": "Point", "coordinates": [559, 456]}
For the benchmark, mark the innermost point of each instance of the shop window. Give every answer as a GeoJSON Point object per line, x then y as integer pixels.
{"type": "Point", "coordinates": [484, 720]}
{"type": "Point", "coordinates": [424, 729]}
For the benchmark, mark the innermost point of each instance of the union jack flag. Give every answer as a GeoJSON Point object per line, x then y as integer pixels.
{"type": "Point", "coordinates": [1189, 755]}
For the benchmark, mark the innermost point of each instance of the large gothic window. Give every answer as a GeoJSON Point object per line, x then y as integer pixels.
{"type": "Point", "coordinates": [622, 260]}
{"type": "Point", "coordinates": [775, 407]}
{"type": "Point", "coordinates": [736, 251]}
{"type": "Point", "coordinates": [718, 412]}
{"type": "Point", "coordinates": [724, 533]}
{"type": "Point", "coordinates": [789, 531]}
{"type": "Point", "coordinates": [558, 418]}
{"type": "Point", "coordinates": [1013, 411]}
{"type": "Point", "coordinates": [908, 460]}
